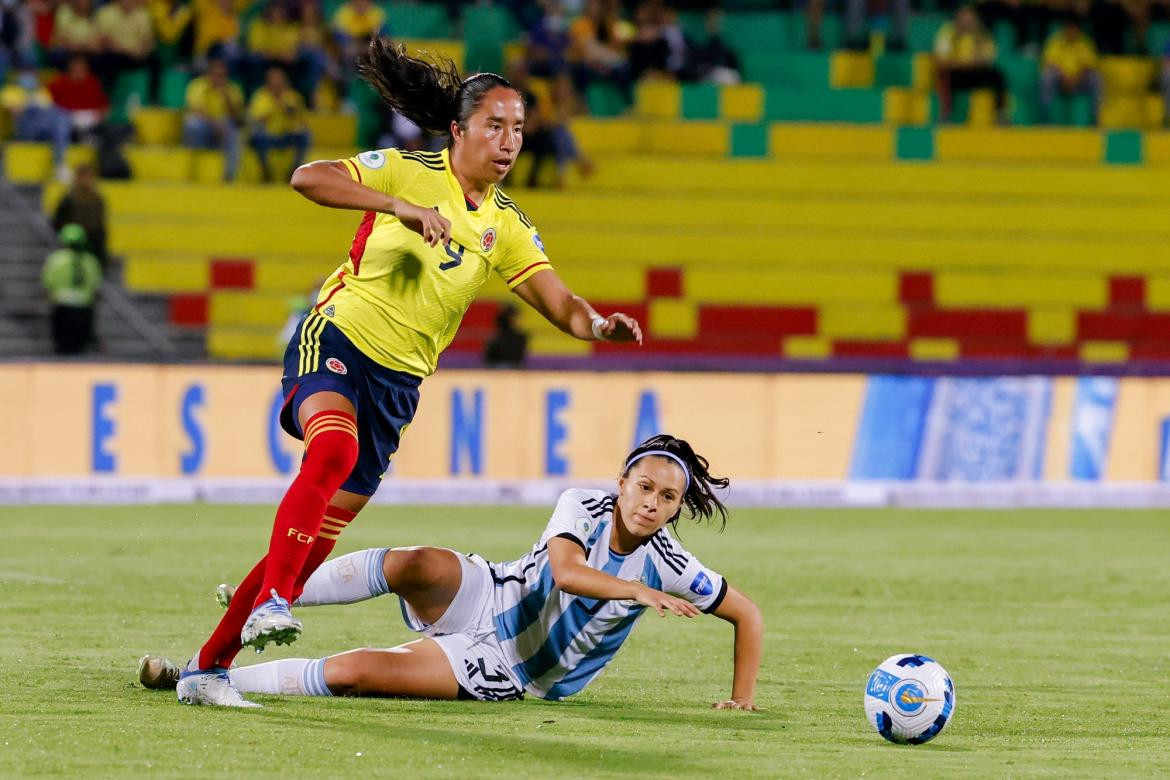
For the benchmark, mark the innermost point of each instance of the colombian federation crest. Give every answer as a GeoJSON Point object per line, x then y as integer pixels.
{"type": "Point", "coordinates": [488, 239]}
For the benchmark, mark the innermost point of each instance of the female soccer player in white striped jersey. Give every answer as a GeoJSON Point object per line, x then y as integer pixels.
{"type": "Point", "coordinates": [546, 624]}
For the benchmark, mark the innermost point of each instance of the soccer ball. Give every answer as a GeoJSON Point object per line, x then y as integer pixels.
{"type": "Point", "coordinates": [909, 699]}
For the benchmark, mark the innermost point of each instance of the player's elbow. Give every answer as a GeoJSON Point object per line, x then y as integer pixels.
{"type": "Point", "coordinates": [302, 179]}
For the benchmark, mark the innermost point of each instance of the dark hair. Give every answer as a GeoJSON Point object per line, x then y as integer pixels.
{"type": "Point", "coordinates": [699, 499]}
{"type": "Point", "coordinates": [430, 94]}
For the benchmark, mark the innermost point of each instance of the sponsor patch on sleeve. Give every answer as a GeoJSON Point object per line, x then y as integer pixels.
{"type": "Point", "coordinates": [372, 160]}
{"type": "Point", "coordinates": [702, 584]}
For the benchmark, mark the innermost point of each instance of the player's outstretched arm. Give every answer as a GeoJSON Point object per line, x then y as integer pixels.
{"type": "Point", "coordinates": [328, 183]}
{"type": "Point", "coordinates": [573, 575]}
{"type": "Point", "coordinates": [742, 613]}
{"type": "Point", "coordinates": [546, 293]}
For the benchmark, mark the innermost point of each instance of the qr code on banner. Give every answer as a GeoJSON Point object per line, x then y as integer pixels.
{"type": "Point", "coordinates": [986, 429]}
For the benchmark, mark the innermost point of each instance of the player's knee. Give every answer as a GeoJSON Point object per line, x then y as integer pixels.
{"type": "Point", "coordinates": [413, 567]}
{"type": "Point", "coordinates": [346, 674]}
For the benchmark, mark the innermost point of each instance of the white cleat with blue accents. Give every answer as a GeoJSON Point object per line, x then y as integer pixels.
{"type": "Point", "coordinates": [210, 686]}
{"type": "Point", "coordinates": [270, 622]}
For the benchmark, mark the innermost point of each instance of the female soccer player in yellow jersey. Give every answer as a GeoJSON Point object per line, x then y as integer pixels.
{"type": "Point", "coordinates": [435, 226]}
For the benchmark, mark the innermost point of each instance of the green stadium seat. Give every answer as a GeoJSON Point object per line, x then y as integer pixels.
{"type": "Point", "coordinates": [839, 105]}
{"type": "Point", "coordinates": [700, 101]}
{"type": "Point", "coordinates": [485, 29]}
{"type": "Point", "coordinates": [417, 20]}
{"type": "Point", "coordinates": [604, 99]}
{"type": "Point", "coordinates": [894, 69]}
{"type": "Point", "coordinates": [923, 28]}
{"type": "Point", "coordinates": [173, 88]}
{"type": "Point", "coordinates": [1158, 38]}
{"type": "Point", "coordinates": [802, 70]}
{"type": "Point", "coordinates": [753, 32]}
{"type": "Point", "coordinates": [130, 91]}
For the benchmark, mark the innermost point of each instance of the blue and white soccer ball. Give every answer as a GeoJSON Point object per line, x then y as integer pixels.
{"type": "Point", "coordinates": [909, 699]}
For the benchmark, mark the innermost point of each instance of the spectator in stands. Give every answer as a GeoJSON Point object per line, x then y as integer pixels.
{"type": "Point", "coordinates": [856, 37]}
{"type": "Point", "coordinates": [964, 60]}
{"type": "Point", "coordinates": [127, 33]}
{"type": "Point", "coordinates": [83, 205]}
{"type": "Point", "coordinates": [41, 15]}
{"type": "Point", "coordinates": [547, 42]}
{"type": "Point", "coordinates": [217, 30]}
{"type": "Point", "coordinates": [354, 23]}
{"type": "Point", "coordinates": [78, 92]}
{"type": "Point", "coordinates": [214, 114]}
{"type": "Point", "coordinates": [36, 118]}
{"type": "Point", "coordinates": [174, 27]}
{"type": "Point", "coordinates": [74, 32]}
{"type": "Point", "coordinates": [658, 48]}
{"type": "Point", "coordinates": [315, 50]}
{"type": "Point", "coordinates": [713, 60]}
{"type": "Point", "coordinates": [597, 45]}
{"type": "Point", "coordinates": [72, 277]}
{"type": "Point", "coordinates": [1070, 68]}
{"type": "Point", "coordinates": [277, 118]}
{"type": "Point", "coordinates": [552, 104]}
{"type": "Point", "coordinates": [16, 36]}
{"type": "Point", "coordinates": [508, 345]}
{"type": "Point", "coordinates": [274, 41]}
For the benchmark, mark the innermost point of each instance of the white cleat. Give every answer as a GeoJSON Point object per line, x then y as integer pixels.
{"type": "Point", "coordinates": [270, 622]}
{"type": "Point", "coordinates": [210, 686]}
{"type": "Point", "coordinates": [158, 673]}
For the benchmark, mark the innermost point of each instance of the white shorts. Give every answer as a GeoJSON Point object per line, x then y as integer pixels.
{"type": "Point", "coordinates": [467, 635]}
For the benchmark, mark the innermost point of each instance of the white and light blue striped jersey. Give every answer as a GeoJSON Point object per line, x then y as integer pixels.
{"type": "Point", "coordinates": [556, 642]}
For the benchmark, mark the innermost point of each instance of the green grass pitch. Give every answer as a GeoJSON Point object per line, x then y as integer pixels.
{"type": "Point", "coordinates": [1054, 625]}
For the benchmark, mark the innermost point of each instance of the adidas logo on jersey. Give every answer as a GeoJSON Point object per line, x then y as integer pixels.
{"type": "Point", "coordinates": [329, 311]}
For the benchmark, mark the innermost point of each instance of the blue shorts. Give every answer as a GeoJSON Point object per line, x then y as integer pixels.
{"type": "Point", "coordinates": [319, 358]}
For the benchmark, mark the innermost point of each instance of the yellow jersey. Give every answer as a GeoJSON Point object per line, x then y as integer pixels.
{"type": "Point", "coordinates": [1071, 58]}
{"type": "Point", "coordinates": [399, 300]}
{"type": "Point", "coordinates": [278, 115]}
{"type": "Point", "coordinates": [215, 104]}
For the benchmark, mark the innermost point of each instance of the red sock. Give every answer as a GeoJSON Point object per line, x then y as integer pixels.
{"type": "Point", "coordinates": [336, 519]}
{"type": "Point", "coordinates": [331, 450]}
{"type": "Point", "coordinates": [224, 643]}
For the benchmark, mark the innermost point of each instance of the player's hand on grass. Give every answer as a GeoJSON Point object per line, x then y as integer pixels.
{"type": "Point", "coordinates": [734, 704]}
{"type": "Point", "coordinates": [661, 602]}
{"type": "Point", "coordinates": [620, 327]}
{"type": "Point", "coordinates": [428, 223]}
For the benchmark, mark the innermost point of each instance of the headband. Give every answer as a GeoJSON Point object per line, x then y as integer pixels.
{"type": "Point", "coordinates": [664, 454]}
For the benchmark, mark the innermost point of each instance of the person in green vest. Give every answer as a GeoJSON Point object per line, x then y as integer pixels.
{"type": "Point", "coordinates": [71, 277]}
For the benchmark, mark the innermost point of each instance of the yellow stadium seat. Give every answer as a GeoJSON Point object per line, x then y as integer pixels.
{"type": "Point", "coordinates": [609, 136]}
{"type": "Point", "coordinates": [830, 141]}
{"type": "Point", "coordinates": [206, 167]}
{"type": "Point", "coordinates": [963, 289]}
{"type": "Point", "coordinates": [658, 99]}
{"type": "Point", "coordinates": [79, 154]}
{"type": "Point", "coordinates": [922, 72]}
{"type": "Point", "coordinates": [251, 308]}
{"type": "Point", "coordinates": [231, 342]}
{"type": "Point", "coordinates": [159, 163]}
{"type": "Point", "coordinates": [934, 349]}
{"type": "Point", "coordinates": [1124, 111]}
{"type": "Point", "coordinates": [692, 138]}
{"type": "Point", "coordinates": [27, 162]}
{"type": "Point", "coordinates": [157, 126]}
{"type": "Point", "coordinates": [741, 102]}
{"type": "Point", "coordinates": [146, 272]}
{"type": "Point", "coordinates": [1052, 326]}
{"type": "Point", "coordinates": [558, 344]}
{"type": "Point", "coordinates": [1017, 144]}
{"type": "Point", "coordinates": [673, 318]}
{"type": "Point", "coordinates": [807, 347]}
{"type": "Point", "coordinates": [1104, 351]}
{"type": "Point", "coordinates": [1126, 75]}
{"type": "Point", "coordinates": [851, 69]}
{"type": "Point", "coordinates": [869, 322]}
{"type": "Point", "coordinates": [981, 111]}
{"type": "Point", "coordinates": [1158, 293]}
{"type": "Point", "coordinates": [338, 130]}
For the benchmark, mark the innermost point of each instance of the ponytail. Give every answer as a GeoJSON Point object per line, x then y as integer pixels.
{"type": "Point", "coordinates": [429, 93]}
